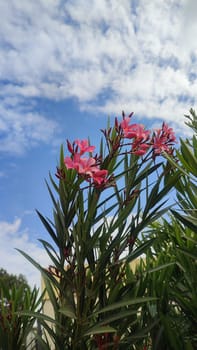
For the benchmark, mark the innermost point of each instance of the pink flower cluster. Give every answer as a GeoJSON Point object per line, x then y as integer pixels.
{"type": "Point", "coordinates": [162, 140]}
{"type": "Point", "coordinates": [139, 135]}
{"type": "Point", "coordinates": [86, 167]}
{"type": "Point", "coordinates": [140, 141]}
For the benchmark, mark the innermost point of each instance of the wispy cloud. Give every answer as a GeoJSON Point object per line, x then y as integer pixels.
{"type": "Point", "coordinates": [109, 55]}
{"type": "Point", "coordinates": [12, 237]}
{"type": "Point", "coordinates": [21, 127]}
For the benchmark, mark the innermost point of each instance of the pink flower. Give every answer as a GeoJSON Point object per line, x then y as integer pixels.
{"type": "Point", "coordinates": [84, 146]}
{"type": "Point", "coordinates": [163, 140]}
{"type": "Point", "coordinates": [136, 131]}
{"type": "Point", "coordinates": [168, 132]}
{"type": "Point", "coordinates": [125, 126]}
{"type": "Point", "coordinates": [84, 166]}
{"type": "Point", "coordinates": [140, 149]}
{"type": "Point", "coordinates": [160, 145]}
{"type": "Point", "coordinates": [72, 163]}
{"type": "Point", "coordinates": [88, 168]}
{"type": "Point", "coordinates": [100, 177]}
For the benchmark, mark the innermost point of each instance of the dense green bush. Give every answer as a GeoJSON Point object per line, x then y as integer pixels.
{"type": "Point", "coordinates": [16, 298]}
{"type": "Point", "coordinates": [169, 271]}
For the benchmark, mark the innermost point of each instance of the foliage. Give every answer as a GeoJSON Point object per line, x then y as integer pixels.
{"type": "Point", "coordinates": [169, 274]}
{"type": "Point", "coordinates": [192, 120]}
{"type": "Point", "coordinates": [101, 205]}
{"type": "Point", "coordinates": [169, 271]}
{"type": "Point", "coordinates": [14, 325]}
{"type": "Point", "coordinates": [9, 280]}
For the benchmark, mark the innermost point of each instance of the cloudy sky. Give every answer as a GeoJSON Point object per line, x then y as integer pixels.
{"type": "Point", "coordinates": [65, 66]}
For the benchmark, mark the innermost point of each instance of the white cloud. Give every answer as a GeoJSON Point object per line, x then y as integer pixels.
{"type": "Point", "coordinates": [189, 25]}
{"type": "Point", "coordinates": [12, 237]}
{"type": "Point", "coordinates": [21, 128]}
{"type": "Point", "coordinates": [140, 55]}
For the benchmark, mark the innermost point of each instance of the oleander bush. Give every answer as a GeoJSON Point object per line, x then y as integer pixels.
{"type": "Point", "coordinates": [123, 268]}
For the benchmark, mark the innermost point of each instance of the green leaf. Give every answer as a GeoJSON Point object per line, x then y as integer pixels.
{"type": "Point", "coordinates": [188, 221]}
{"type": "Point", "coordinates": [139, 250]}
{"type": "Point", "coordinates": [123, 303]}
{"type": "Point", "coordinates": [175, 164]}
{"type": "Point", "coordinates": [100, 330]}
{"type": "Point", "coordinates": [48, 227]}
{"type": "Point", "coordinates": [40, 268]}
{"type": "Point", "coordinates": [188, 253]}
{"type": "Point", "coordinates": [118, 316]}
{"type": "Point", "coordinates": [161, 267]}
{"type": "Point", "coordinates": [189, 158]}
{"type": "Point", "coordinates": [38, 315]}
{"type": "Point", "coordinates": [68, 311]}
{"type": "Point", "coordinates": [48, 247]}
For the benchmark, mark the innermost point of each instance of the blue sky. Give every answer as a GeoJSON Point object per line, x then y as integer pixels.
{"type": "Point", "coordinates": [65, 66]}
